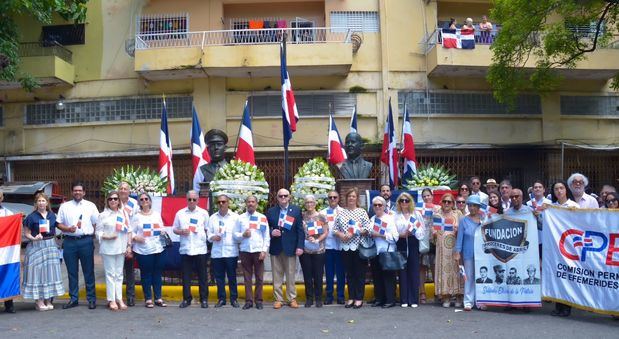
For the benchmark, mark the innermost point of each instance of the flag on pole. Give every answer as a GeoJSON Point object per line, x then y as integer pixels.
{"type": "Point", "coordinates": [10, 247]}
{"type": "Point", "coordinates": [290, 115]}
{"type": "Point", "coordinates": [165, 152]}
{"type": "Point", "coordinates": [199, 153]}
{"type": "Point", "coordinates": [353, 121]}
{"type": "Point", "coordinates": [245, 148]}
{"type": "Point", "coordinates": [408, 148]}
{"type": "Point", "coordinates": [390, 153]}
{"type": "Point", "coordinates": [337, 154]}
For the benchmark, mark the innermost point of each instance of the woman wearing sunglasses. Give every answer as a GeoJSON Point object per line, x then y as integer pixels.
{"type": "Point", "coordinates": [611, 200]}
{"type": "Point", "coordinates": [448, 283]}
{"type": "Point", "coordinates": [145, 226]}
{"type": "Point", "coordinates": [112, 231]}
{"type": "Point", "coordinates": [410, 225]}
{"type": "Point", "coordinates": [385, 235]}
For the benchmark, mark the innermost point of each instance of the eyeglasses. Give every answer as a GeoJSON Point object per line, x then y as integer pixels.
{"type": "Point", "coordinates": [447, 202]}
{"type": "Point", "coordinates": [464, 188]}
{"type": "Point", "coordinates": [578, 182]}
{"type": "Point", "coordinates": [333, 197]}
{"type": "Point", "coordinates": [112, 198]}
{"type": "Point", "coordinates": [404, 201]}
{"type": "Point", "coordinates": [221, 202]}
{"type": "Point", "coordinates": [476, 183]}
{"type": "Point", "coordinates": [378, 205]}
{"type": "Point", "coordinates": [283, 196]}
{"type": "Point", "coordinates": [460, 202]}
{"type": "Point", "coordinates": [192, 199]}
{"type": "Point", "coordinates": [310, 202]}
{"type": "Point", "coordinates": [611, 201]}
{"type": "Point", "coordinates": [144, 199]}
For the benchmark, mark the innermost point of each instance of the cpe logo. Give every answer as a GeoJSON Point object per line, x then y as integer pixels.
{"type": "Point", "coordinates": [575, 244]}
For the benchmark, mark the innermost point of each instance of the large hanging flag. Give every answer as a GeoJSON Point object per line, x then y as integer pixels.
{"type": "Point", "coordinates": [290, 115]}
{"type": "Point", "coordinates": [337, 154]}
{"type": "Point", "coordinates": [458, 38]}
{"type": "Point", "coordinates": [199, 153]}
{"type": "Point", "coordinates": [10, 241]}
{"type": "Point", "coordinates": [245, 144]}
{"type": "Point", "coordinates": [353, 121]}
{"type": "Point", "coordinates": [166, 170]}
{"type": "Point", "coordinates": [390, 153]}
{"type": "Point", "coordinates": [408, 148]}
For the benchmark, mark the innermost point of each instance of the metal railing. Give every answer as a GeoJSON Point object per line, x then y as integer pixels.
{"type": "Point", "coordinates": [235, 37]}
{"type": "Point", "coordinates": [32, 49]}
{"type": "Point", "coordinates": [481, 37]}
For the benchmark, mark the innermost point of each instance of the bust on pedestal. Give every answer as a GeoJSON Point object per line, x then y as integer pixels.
{"type": "Point", "coordinates": [355, 167]}
{"type": "Point", "coordinates": [216, 143]}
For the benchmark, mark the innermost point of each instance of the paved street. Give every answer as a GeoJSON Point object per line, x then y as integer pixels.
{"type": "Point", "coordinates": [330, 321]}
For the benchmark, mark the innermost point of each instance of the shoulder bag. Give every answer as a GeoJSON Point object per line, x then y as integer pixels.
{"type": "Point", "coordinates": [367, 252]}
{"type": "Point", "coordinates": [392, 261]}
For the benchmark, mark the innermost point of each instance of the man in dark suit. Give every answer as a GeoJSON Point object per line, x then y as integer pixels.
{"type": "Point", "coordinates": [287, 236]}
{"type": "Point", "coordinates": [483, 273]}
{"type": "Point", "coordinates": [531, 280]}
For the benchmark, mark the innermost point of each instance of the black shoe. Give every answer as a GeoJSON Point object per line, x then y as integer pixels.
{"type": "Point", "coordinates": [377, 304]}
{"type": "Point", "coordinates": [258, 306]}
{"type": "Point", "coordinates": [319, 304]}
{"type": "Point", "coordinates": [349, 305]}
{"type": "Point", "coordinates": [92, 305]}
{"type": "Point", "coordinates": [185, 304]}
{"type": "Point", "coordinates": [309, 303]}
{"type": "Point", "coordinates": [9, 307]}
{"type": "Point", "coordinates": [69, 305]}
{"type": "Point", "coordinates": [357, 306]}
{"type": "Point", "coordinates": [388, 305]}
{"type": "Point", "coordinates": [248, 305]}
{"type": "Point", "coordinates": [220, 303]}
{"type": "Point", "coordinates": [341, 302]}
{"type": "Point", "coordinates": [204, 304]}
{"type": "Point", "coordinates": [235, 304]}
{"type": "Point", "coordinates": [130, 301]}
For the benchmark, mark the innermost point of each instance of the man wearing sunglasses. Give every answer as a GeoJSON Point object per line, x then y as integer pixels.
{"type": "Point", "coordinates": [476, 189]}
{"type": "Point", "coordinates": [287, 237]}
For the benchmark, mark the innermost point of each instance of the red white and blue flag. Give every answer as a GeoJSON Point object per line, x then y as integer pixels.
{"type": "Point", "coordinates": [166, 171]}
{"type": "Point", "coordinates": [147, 230]}
{"type": "Point", "coordinates": [390, 153]}
{"type": "Point", "coordinates": [337, 154]}
{"type": "Point", "coordinates": [488, 210]}
{"type": "Point", "coordinates": [121, 225]}
{"type": "Point", "coordinates": [245, 148]}
{"type": "Point", "coordinates": [353, 121]}
{"type": "Point", "coordinates": [330, 214]}
{"type": "Point", "coordinates": [43, 226]}
{"type": "Point", "coordinates": [157, 230]}
{"type": "Point", "coordinates": [10, 246]}
{"type": "Point", "coordinates": [256, 223]}
{"type": "Point", "coordinates": [199, 153]}
{"type": "Point", "coordinates": [193, 225]}
{"type": "Point", "coordinates": [408, 148]}
{"type": "Point", "coordinates": [379, 226]}
{"type": "Point", "coordinates": [286, 221]}
{"type": "Point", "coordinates": [354, 227]}
{"type": "Point", "coordinates": [458, 38]}
{"type": "Point", "coordinates": [414, 224]}
{"type": "Point", "coordinates": [314, 228]}
{"type": "Point", "coordinates": [290, 114]}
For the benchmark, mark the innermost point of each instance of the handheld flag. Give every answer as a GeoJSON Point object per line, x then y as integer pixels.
{"type": "Point", "coordinates": [43, 226]}
{"type": "Point", "coordinates": [129, 207]}
{"type": "Point", "coordinates": [337, 154]}
{"type": "Point", "coordinates": [121, 225]}
{"type": "Point", "coordinates": [193, 225]}
{"type": "Point", "coordinates": [353, 121]}
{"type": "Point", "coordinates": [314, 228]}
{"type": "Point", "coordinates": [166, 170]}
{"type": "Point", "coordinates": [379, 226]}
{"type": "Point", "coordinates": [353, 227]}
{"type": "Point", "coordinates": [79, 222]}
{"type": "Point", "coordinates": [245, 148]}
{"type": "Point", "coordinates": [254, 222]}
{"type": "Point", "coordinates": [288, 222]}
{"type": "Point", "coordinates": [330, 215]}
{"type": "Point", "coordinates": [413, 224]}
{"type": "Point", "coordinates": [290, 114]}
{"type": "Point", "coordinates": [199, 153]}
{"type": "Point", "coordinates": [408, 148]}
{"type": "Point", "coordinates": [389, 153]}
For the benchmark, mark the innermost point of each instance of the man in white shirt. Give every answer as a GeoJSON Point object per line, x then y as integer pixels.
{"type": "Point", "coordinates": [190, 224]}
{"type": "Point", "coordinates": [129, 207]}
{"type": "Point", "coordinates": [476, 189]}
{"type": "Point", "coordinates": [254, 249]}
{"type": "Point", "coordinates": [506, 189]}
{"type": "Point", "coordinates": [577, 184]}
{"type": "Point", "coordinates": [333, 259]}
{"type": "Point", "coordinates": [5, 212]}
{"type": "Point", "coordinates": [77, 219]}
{"type": "Point", "coordinates": [225, 234]}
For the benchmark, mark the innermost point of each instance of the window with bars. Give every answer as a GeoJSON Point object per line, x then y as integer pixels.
{"type": "Point", "coordinates": [358, 21]}
{"type": "Point", "coordinates": [133, 108]}
{"type": "Point", "coordinates": [168, 26]}
{"type": "Point", "coordinates": [590, 105]}
{"type": "Point", "coordinates": [307, 104]}
{"type": "Point", "coordinates": [421, 103]}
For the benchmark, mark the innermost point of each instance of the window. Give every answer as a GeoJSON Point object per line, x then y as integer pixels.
{"type": "Point", "coordinates": [64, 35]}
{"type": "Point", "coordinates": [134, 108]}
{"type": "Point", "coordinates": [163, 24]}
{"type": "Point", "coordinates": [307, 104]}
{"type": "Point", "coordinates": [355, 21]}
{"type": "Point", "coordinates": [590, 105]}
{"type": "Point", "coordinates": [420, 103]}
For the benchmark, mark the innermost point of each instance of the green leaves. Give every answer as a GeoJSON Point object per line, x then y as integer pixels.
{"type": "Point", "coordinates": [315, 178]}
{"type": "Point", "coordinates": [139, 180]}
{"type": "Point", "coordinates": [431, 175]}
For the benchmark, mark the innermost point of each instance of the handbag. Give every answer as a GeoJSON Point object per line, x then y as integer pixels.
{"type": "Point", "coordinates": [165, 240]}
{"type": "Point", "coordinates": [367, 252]}
{"type": "Point", "coordinates": [392, 261]}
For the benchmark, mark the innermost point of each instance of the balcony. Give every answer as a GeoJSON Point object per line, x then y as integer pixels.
{"type": "Point", "coordinates": [453, 62]}
{"type": "Point", "coordinates": [50, 64]}
{"type": "Point", "coordinates": [316, 51]}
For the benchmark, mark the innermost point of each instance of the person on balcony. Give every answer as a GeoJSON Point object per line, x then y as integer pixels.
{"type": "Point", "coordinates": [452, 23]}
{"type": "Point", "coordinates": [468, 24]}
{"type": "Point", "coordinates": [485, 28]}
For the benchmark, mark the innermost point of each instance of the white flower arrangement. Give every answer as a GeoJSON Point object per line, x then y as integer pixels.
{"type": "Point", "coordinates": [432, 176]}
{"type": "Point", "coordinates": [139, 179]}
{"type": "Point", "coordinates": [315, 178]}
{"type": "Point", "coordinates": [238, 180]}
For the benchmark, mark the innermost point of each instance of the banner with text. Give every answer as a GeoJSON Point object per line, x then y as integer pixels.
{"type": "Point", "coordinates": [507, 261]}
{"type": "Point", "coordinates": [581, 258]}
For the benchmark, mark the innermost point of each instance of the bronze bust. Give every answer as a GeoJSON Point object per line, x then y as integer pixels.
{"type": "Point", "coordinates": [216, 142]}
{"type": "Point", "coordinates": [355, 167]}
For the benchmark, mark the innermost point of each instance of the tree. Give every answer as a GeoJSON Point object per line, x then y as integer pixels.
{"type": "Point", "coordinates": [546, 30]}
{"type": "Point", "coordinates": [40, 10]}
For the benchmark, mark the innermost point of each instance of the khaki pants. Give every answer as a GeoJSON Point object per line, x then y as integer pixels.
{"type": "Point", "coordinates": [284, 265]}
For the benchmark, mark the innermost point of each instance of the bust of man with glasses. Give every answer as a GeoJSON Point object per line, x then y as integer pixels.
{"type": "Point", "coordinates": [355, 167]}
{"type": "Point", "coordinates": [216, 142]}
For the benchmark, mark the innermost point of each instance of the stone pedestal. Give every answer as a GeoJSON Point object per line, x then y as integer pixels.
{"type": "Point", "coordinates": [343, 185]}
{"type": "Point", "coordinates": [205, 191]}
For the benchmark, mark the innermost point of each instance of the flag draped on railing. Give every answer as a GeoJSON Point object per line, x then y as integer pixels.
{"type": "Point", "coordinates": [408, 147]}
{"type": "Point", "coordinates": [389, 154]}
{"type": "Point", "coordinates": [458, 38]}
{"type": "Point", "coordinates": [199, 153]}
{"type": "Point", "coordinates": [166, 171]}
{"type": "Point", "coordinates": [245, 148]}
{"type": "Point", "coordinates": [337, 154]}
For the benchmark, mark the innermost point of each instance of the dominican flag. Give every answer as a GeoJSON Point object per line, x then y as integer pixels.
{"type": "Point", "coordinates": [337, 154]}
{"type": "Point", "coordinates": [121, 225]}
{"type": "Point", "coordinates": [353, 227]}
{"type": "Point", "coordinates": [449, 224]}
{"type": "Point", "coordinates": [245, 148]}
{"type": "Point", "coordinates": [438, 223]}
{"type": "Point", "coordinates": [314, 228]}
{"type": "Point", "coordinates": [43, 226]}
{"type": "Point", "coordinates": [467, 38]}
{"type": "Point", "coordinates": [413, 224]}
{"type": "Point", "coordinates": [408, 148]}
{"type": "Point", "coordinates": [257, 223]}
{"type": "Point", "coordinates": [353, 121]}
{"type": "Point", "coordinates": [79, 222]}
{"type": "Point", "coordinates": [129, 207]}
{"type": "Point", "coordinates": [379, 226]}
{"type": "Point", "coordinates": [193, 225]}
{"type": "Point", "coordinates": [488, 210]}
{"type": "Point", "coordinates": [199, 153]}
{"type": "Point", "coordinates": [10, 246]}
{"type": "Point", "coordinates": [330, 214]}
{"type": "Point", "coordinates": [390, 153]}
{"type": "Point", "coordinates": [290, 115]}
{"type": "Point", "coordinates": [458, 38]}
{"type": "Point", "coordinates": [166, 171]}
{"type": "Point", "coordinates": [428, 210]}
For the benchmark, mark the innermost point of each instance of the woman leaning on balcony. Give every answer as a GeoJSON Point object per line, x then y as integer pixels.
{"type": "Point", "coordinates": [485, 28]}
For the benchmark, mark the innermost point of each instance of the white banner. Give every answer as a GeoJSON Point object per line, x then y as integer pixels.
{"type": "Point", "coordinates": [507, 261]}
{"type": "Point", "coordinates": [581, 258]}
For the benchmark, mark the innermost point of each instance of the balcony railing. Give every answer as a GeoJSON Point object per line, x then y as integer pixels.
{"type": "Point", "coordinates": [235, 37]}
{"type": "Point", "coordinates": [32, 49]}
